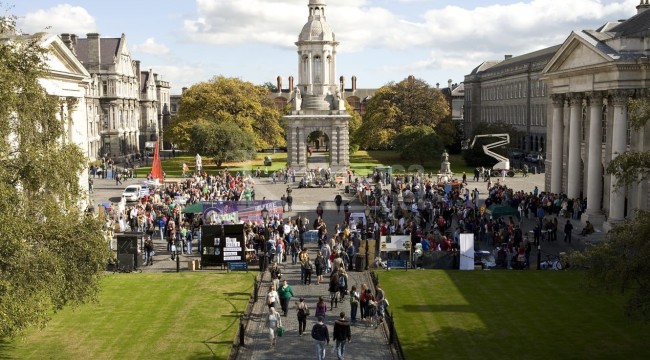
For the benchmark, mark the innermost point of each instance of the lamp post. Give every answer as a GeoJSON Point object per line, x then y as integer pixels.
{"type": "Point", "coordinates": [263, 258]}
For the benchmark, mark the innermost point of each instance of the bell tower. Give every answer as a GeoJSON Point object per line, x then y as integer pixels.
{"type": "Point", "coordinates": [317, 103]}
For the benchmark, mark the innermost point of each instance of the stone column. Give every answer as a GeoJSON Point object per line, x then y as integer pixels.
{"type": "Point", "coordinates": [291, 150]}
{"type": "Point", "coordinates": [619, 145]}
{"type": "Point", "coordinates": [594, 160]}
{"type": "Point", "coordinates": [302, 151]}
{"type": "Point", "coordinates": [310, 76]}
{"type": "Point", "coordinates": [558, 131]}
{"type": "Point", "coordinates": [573, 168]}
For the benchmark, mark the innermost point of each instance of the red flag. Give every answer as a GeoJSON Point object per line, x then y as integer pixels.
{"type": "Point", "coordinates": [156, 168]}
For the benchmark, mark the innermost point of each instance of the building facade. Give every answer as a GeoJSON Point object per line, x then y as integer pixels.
{"type": "Point", "coordinates": [590, 80]}
{"type": "Point", "coordinates": [510, 91]}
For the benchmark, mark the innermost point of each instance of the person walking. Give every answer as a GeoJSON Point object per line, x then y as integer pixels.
{"type": "Point", "coordinates": [273, 321]}
{"type": "Point", "coordinates": [271, 297]}
{"type": "Point", "coordinates": [302, 312]}
{"type": "Point", "coordinates": [568, 229]}
{"type": "Point", "coordinates": [285, 293]}
{"type": "Point", "coordinates": [338, 200]}
{"type": "Point", "coordinates": [334, 289]}
{"type": "Point", "coordinates": [321, 307]}
{"type": "Point", "coordinates": [276, 274]}
{"type": "Point", "coordinates": [320, 333]}
{"type": "Point", "coordinates": [320, 264]}
{"type": "Point", "coordinates": [354, 303]}
{"type": "Point", "coordinates": [308, 268]}
{"type": "Point", "coordinates": [341, 335]}
{"type": "Point", "coordinates": [363, 301]}
{"type": "Point", "coordinates": [289, 202]}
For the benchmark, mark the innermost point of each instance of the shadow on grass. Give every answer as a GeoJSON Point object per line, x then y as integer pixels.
{"type": "Point", "coordinates": [246, 294]}
{"type": "Point", "coordinates": [6, 348]}
{"type": "Point", "coordinates": [453, 308]}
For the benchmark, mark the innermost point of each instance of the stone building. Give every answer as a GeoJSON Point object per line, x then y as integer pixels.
{"type": "Point", "coordinates": [125, 106]}
{"type": "Point", "coordinates": [510, 91]}
{"type": "Point", "coordinates": [590, 79]}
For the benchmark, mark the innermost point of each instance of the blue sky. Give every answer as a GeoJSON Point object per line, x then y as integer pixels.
{"type": "Point", "coordinates": [380, 40]}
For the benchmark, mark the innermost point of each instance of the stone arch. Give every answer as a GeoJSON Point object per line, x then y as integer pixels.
{"type": "Point", "coordinates": [335, 130]}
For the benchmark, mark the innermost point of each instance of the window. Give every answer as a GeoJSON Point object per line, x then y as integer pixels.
{"type": "Point", "coordinates": [104, 88]}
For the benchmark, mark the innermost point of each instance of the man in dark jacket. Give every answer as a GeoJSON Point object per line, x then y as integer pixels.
{"type": "Point", "coordinates": [320, 333]}
{"type": "Point", "coordinates": [342, 335]}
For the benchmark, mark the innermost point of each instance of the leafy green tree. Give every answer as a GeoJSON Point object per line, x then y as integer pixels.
{"type": "Point", "coordinates": [223, 100]}
{"type": "Point", "coordinates": [51, 254]}
{"type": "Point", "coordinates": [476, 156]}
{"type": "Point", "coordinates": [411, 102]}
{"type": "Point", "coordinates": [223, 142]}
{"type": "Point", "coordinates": [418, 143]}
{"type": "Point", "coordinates": [353, 126]}
{"type": "Point", "coordinates": [620, 265]}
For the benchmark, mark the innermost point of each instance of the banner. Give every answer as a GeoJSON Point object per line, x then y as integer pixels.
{"type": "Point", "coordinates": [466, 251]}
{"type": "Point", "coordinates": [216, 212]}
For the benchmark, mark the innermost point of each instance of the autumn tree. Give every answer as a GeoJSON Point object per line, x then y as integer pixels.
{"type": "Point", "coordinates": [228, 100]}
{"type": "Point", "coordinates": [224, 142]}
{"type": "Point", "coordinates": [418, 143]}
{"type": "Point", "coordinates": [411, 102]}
{"type": "Point", "coordinates": [51, 254]}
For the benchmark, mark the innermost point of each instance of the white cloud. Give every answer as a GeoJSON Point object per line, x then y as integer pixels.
{"type": "Point", "coordinates": [150, 46]}
{"type": "Point", "coordinates": [182, 75]}
{"type": "Point", "coordinates": [62, 18]}
{"type": "Point", "coordinates": [499, 29]}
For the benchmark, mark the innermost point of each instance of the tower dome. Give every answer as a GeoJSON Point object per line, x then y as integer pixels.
{"type": "Point", "coordinates": [316, 27]}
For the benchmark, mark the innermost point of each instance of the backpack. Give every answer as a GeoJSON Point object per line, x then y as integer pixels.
{"type": "Point", "coordinates": [342, 281]}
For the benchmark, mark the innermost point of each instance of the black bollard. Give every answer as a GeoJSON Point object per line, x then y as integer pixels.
{"type": "Point", "coordinates": [241, 331]}
{"type": "Point", "coordinates": [255, 290]}
{"type": "Point", "coordinates": [539, 257]}
{"type": "Point", "coordinates": [178, 261]}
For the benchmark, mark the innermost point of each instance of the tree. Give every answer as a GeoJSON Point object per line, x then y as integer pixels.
{"type": "Point", "coordinates": [418, 143]}
{"type": "Point", "coordinates": [411, 102]}
{"type": "Point", "coordinates": [621, 264]}
{"type": "Point", "coordinates": [353, 126]}
{"type": "Point", "coordinates": [476, 156]}
{"type": "Point", "coordinates": [51, 255]}
{"type": "Point", "coordinates": [223, 142]}
{"type": "Point", "coordinates": [232, 100]}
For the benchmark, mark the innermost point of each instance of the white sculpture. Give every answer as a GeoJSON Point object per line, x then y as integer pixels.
{"type": "Point", "coordinates": [199, 163]}
{"type": "Point", "coordinates": [297, 100]}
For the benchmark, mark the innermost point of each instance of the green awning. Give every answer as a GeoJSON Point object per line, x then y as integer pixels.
{"type": "Point", "coordinates": [497, 211]}
{"type": "Point", "coordinates": [195, 208]}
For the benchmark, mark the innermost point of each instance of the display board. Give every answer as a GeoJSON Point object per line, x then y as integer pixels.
{"type": "Point", "coordinates": [222, 244]}
{"type": "Point", "coordinates": [216, 212]}
{"type": "Point", "coordinates": [466, 251]}
{"type": "Point", "coordinates": [395, 243]}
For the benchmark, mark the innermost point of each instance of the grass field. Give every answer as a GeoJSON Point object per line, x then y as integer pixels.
{"type": "Point", "coordinates": [145, 316]}
{"type": "Point", "coordinates": [362, 162]}
{"type": "Point", "coordinates": [508, 315]}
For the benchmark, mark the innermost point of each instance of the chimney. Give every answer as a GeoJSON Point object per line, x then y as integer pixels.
{"type": "Point", "coordinates": [183, 90]}
{"type": "Point", "coordinates": [94, 50]}
{"type": "Point", "coordinates": [65, 37]}
{"type": "Point", "coordinates": [506, 57]}
{"type": "Point", "coordinates": [411, 79]}
{"type": "Point", "coordinates": [73, 43]}
{"type": "Point", "coordinates": [342, 82]}
{"type": "Point", "coordinates": [643, 6]}
{"type": "Point", "coordinates": [279, 79]}
{"type": "Point", "coordinates": [449, 85]}
{"type": "Point", "coordinates": [354, 83]}
{"type": "Point", "coordinates": [290, 83]}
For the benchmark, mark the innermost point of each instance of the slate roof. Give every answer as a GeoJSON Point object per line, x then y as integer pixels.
{"type": "Point", "coordinates": [107, 47]}
{"type": "Point", "coordinates": [636, 24]}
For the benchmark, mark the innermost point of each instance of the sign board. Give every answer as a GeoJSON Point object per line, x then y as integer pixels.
{"type": "Point", "coordinates": [356, 218]}
{"type": "Point", "coordinates": [238, 266]}
{"type": "Point", "coordinates": [215, 212]}
{"type": "Point", "coordinates": [223, 244]}
{"type": "Point", "coordinates": [395, 243]}
{"type": "Point", "coordinates": [466, 251]}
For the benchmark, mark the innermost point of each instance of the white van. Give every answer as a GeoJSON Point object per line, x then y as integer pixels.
{"type": "Point", "coordinates": [149, 148]}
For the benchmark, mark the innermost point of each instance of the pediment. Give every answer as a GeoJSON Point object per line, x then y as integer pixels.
{"type": "Point", "coordinates": [61, 61]}
{"type": "Point", "coordinates": [576, 53]}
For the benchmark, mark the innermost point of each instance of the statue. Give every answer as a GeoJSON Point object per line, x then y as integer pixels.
{"type": "Point", "coordinates": [199, 164]}
{"type": "Point", "coordinates": [297, 99]}
{"type": "Point", "coordinates": [445, 156]}
{"type": "Point", "coordinates": [339, 103]}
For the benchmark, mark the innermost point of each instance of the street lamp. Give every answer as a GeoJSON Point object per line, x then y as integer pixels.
{"type": "Point", "coordinates": [263, 258]}
{"type": "Point", "coordinates": [367, 211]}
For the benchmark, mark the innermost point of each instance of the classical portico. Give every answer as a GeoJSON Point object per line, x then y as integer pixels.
{"type": "Point", "coordinates": [591, 79]}
{"type": "Point", "coordinates": [317, 103]}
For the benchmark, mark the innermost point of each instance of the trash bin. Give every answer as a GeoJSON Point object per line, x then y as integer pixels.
{"type": "Point", "coordinates": [347, 189]}
{"type": "Point", "coordinates": [359, 262]}
{"type": "Point", "coordinates": [534, 170]}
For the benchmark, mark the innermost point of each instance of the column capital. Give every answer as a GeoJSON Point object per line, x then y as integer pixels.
{"type": "Point", "coordinates": [558, 99]}
{"type": "Point", "coordinates": [620, 97]}
{"type": "Point", "coordinates": [575, 99]}
{"type": "Point", "coordinates": [595, 98]}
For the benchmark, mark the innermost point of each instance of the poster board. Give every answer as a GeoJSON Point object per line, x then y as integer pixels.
{"type": "Point", "coordinates": [466, 252]}
{"type": "Point", "coordinates": [222, 244]}
{"type": "Point", "coordinates": [395, 243]}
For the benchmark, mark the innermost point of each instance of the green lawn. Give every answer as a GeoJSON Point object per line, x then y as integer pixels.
{"type": "Point", "coordinates": [364, 161]}
{"type": "Point", "coordinates": [508, 315]}
{"type": "Point", "coordinates": [145, 316]}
